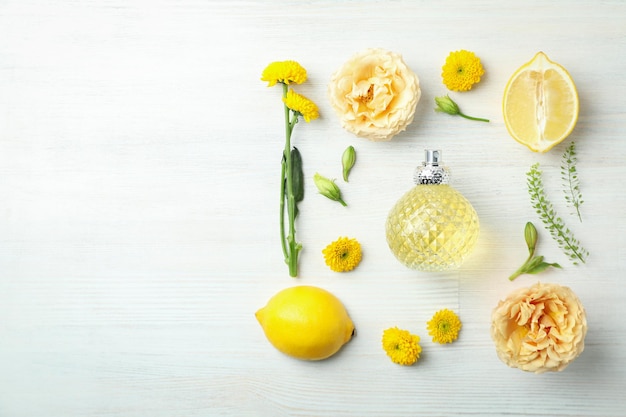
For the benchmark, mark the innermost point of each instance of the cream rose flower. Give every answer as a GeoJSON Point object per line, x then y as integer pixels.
{"type": "Point", "coordinates": [375, 94]}
{"type": "Point", "coordinates": [539, 329]}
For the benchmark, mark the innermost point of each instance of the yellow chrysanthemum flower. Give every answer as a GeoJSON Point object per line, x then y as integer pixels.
{"type": "Point", "coordinates": [302, 105]}
{"type": "Point", "coordinates": [462, 70]}
{"type": "Point", "coordinates": [444, 327]}
{"type": "Point", "coordinates": [285, 72]}
{"type": "Point", "coordinates": [401, 346]}
{"type": "Point", "coordinates": [343, 255]}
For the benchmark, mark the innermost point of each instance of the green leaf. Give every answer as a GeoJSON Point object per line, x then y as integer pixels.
{"type": "Point", "coordinates": [542, 266]}
{"type": "Point", "coordinates": [297, 175]}
{"type": "Point", "coordinates": [536, 260]}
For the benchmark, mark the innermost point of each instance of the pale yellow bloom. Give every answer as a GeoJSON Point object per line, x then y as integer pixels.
{"type": "Point", "coordinates": [539, 329]}
{"type": "Point", "coordinates": [375, 94]}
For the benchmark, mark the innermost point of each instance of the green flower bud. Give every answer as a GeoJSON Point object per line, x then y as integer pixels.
{"type": "Point", "coordinates": [530, 234]}
{"type": "Point", "coordinates": [446, 105]}
{"type": "Point", "coordinates": [347, 161]}
{"type": "Point", "coordinates": [328, 188]}
{"type": "Point", "coordinates": [533, 264]}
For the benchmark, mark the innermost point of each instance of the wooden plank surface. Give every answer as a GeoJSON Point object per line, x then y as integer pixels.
{"type": "Point", "coordinates": [139, 173]}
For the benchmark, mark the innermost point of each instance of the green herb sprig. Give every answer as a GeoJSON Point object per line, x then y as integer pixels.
{"type": "Point", "coordinates": [569, 175]}
{"type": "Point", "coordinates": [555, 225]}
{"type": "Point", "coordinates": [534, 264]}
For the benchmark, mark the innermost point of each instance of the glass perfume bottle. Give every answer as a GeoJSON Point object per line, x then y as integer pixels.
{"type": "Point", "coordinates": [432, 227]}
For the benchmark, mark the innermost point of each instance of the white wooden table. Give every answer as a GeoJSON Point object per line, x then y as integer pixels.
{"type": "Point", "coordinates": [139, 172]}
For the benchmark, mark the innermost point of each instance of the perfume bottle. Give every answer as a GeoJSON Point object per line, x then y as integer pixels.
{"type": "Point", "coordinates": [432, 227]}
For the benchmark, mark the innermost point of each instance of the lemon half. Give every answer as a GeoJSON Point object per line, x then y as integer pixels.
{"type": "Point", "coordinates": [306, 322]}
{"type": "Point", "coordinates": [540, 104]}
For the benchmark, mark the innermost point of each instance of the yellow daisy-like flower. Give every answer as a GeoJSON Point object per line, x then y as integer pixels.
{"type": "Point", "coordinates": [300, 104]}
{"type": "Point", "coordinates": [285, 72]}
{"type": "Point", "coordinates": [462, 70]}
{"type": "Point", "coordinates": [343, 255]}
{"type": "Point", "coordinates": [444, 327]}
{"type": "Point", "coordinates": [401, 346]}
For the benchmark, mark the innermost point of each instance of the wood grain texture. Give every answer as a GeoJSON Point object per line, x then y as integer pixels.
{"type": "Point", "coordinates": [139, 175]}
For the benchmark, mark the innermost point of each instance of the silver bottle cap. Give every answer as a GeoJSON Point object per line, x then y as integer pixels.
{"type": "Point", "coordinates": [431, 171]}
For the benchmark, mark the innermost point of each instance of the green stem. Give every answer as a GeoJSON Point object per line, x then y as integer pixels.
{"type": "Point", "coordinates": [522, 269]}
{"type": "Point", "coordinates": [283, 241]}
{"type": "Point", "coordinates": [292, 254]}
{"type": "Point", "coordinates": [473, 118]}
{"type": "Point", "coordinates": [571, 191]}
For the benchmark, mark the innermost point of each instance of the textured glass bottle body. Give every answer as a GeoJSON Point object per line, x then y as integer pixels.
{"type": "Point", "coordinates": [432, 227]}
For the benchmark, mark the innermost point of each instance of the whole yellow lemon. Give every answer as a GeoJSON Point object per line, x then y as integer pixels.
{"type": "Point", "coordinates": [306, 322]}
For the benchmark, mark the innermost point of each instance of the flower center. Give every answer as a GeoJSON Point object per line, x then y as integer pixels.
{"type": "Point", "coordinates": [444, 326]}
{"type": "Point", "coordinates": [460, 70]}
{"type": "Point", "coordinates": [366, 98]}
